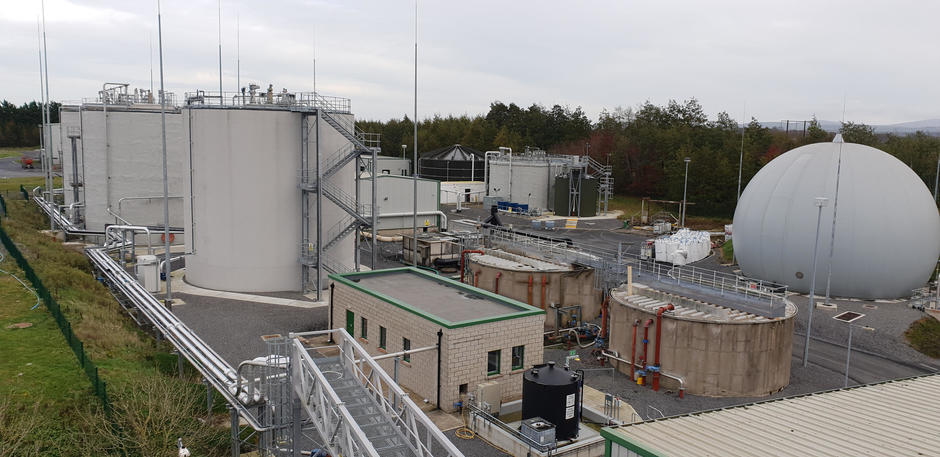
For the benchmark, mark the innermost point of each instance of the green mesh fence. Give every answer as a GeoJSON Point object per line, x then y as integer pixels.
{"type": "Point", "coordinates": [90, 369]}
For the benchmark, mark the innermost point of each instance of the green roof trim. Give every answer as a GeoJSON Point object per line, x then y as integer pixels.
{"type": "Point", "coordinates": [524, 309]}
{"type": "Point", "coordinates": [610, 435]}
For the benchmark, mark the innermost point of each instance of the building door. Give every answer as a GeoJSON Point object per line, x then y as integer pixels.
{"type": "Point", "coordinates": [350, 322]}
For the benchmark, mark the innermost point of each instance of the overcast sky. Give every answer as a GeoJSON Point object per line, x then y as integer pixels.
{"type": "Point", "coordinates": [784, 60]}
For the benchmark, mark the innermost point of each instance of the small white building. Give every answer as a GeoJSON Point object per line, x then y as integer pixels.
{"type": "Point", "coordinates": [462, 191]}
{"type": "Point", "coordinates": [395, 199]}
{"type": "Point", "coordinates": [395, 166]}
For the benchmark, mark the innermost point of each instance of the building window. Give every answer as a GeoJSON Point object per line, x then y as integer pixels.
{"type": "Point", "coordinates": [364, 328]}
{"type": "Point", "coordinates": [518, 357]}
{"type": "Point", "coordinates": [406, 346]}
{"type": "Point", "coordinates": [382, 337]}
{"type": "Point", "coordinates": [492, 362]}
{"type": "Point", "coordinates": [404, 172]}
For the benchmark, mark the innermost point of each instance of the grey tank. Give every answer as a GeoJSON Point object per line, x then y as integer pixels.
{"type": "Point", "coordinates": [887, 227]}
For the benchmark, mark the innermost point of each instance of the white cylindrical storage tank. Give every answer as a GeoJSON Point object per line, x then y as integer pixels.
{"type": "Point", "coordinates": [887, 231]}
{"type": "Point", "coordinates": [243, 204]}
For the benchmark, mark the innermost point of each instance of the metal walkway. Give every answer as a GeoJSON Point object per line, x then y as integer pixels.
{"type": "Point", "coordinates": [356, 406]}
{"type": "Point", "coordinates": [357, 409]}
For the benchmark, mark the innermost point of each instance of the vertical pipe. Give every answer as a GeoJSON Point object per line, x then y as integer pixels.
{"type": "Point", "coordinates": [375, 205]}
{"type": "Point", "coordinates": [304, 195]}
{"type": "Point", "coordinates": [848, 356]}
{"type": "Point", "coordinates": [320, 217]}
{"type": "Point", "coordinates": [529, 296]}
{"type": "Point", "coordinates": [235, 429]}
{"type": "Point", "coordinates": [42, 103]}
{"type": "Point", "coordinates": [166, 194]}
{"type": "Point", "coordinates": [440, 337]}
{"type": "Point", "coordinates": [48, 140]}
{"type": "Point", "coordinates": [414, 174]}
{"type": "Point", "coordinates": [496, 284]}
{"type": "Point", "coordinates": [936, 179]}
{"type": "Point", "coordinates": [544, 282]}
{"type": "Point", "coordinates": [835, 209]}
{"type": "Point", "coordinates": [820, 202]}
{"type": "Point", "coordinates": [221, 95]}
{"type": "Point", "coordinates": [741, 158]}
{"type": "Point", "coordinates": [659, 329]}
{"type": "Point", "coordinates": [636, 323]}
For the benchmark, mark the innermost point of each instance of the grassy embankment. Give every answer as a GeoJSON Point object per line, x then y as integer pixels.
{"type": "Point", "coordinates": [924, 335]}
{"type": "Point", "coordinates": [16, 152]}
{"type": "Point", "coordinates": [46, 403]}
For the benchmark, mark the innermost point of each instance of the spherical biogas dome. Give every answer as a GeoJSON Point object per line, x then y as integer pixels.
{"type": "Point", "coordinates": [887, 232]}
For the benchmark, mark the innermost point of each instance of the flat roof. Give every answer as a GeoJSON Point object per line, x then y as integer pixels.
{"type": "Point", "coordinates": [889, 418]}
{"type": "Point", "coordinates": [441, 300]}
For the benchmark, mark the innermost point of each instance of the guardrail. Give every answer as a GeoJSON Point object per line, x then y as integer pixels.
{"type": "Point", "coordinates": [475, 411]}
{"type": "Point", "coordinates": [334, 418]}
{"type": "Point", "coordinates": [611, 267]}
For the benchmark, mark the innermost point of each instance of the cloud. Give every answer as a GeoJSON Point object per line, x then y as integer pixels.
{"type": "Point", "coordinates": [785, 60]}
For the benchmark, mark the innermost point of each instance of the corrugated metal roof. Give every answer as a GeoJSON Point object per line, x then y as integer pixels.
{"type": "Point", "coordinates": [891, 418]}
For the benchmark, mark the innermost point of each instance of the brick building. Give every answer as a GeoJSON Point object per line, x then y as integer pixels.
{"type": "Point", "coordinates": [484, 337]}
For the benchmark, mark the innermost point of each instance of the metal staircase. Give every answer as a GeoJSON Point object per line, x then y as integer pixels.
{"type": "Point", "coordinates": [315, 181]}
{"type": "Point", "coordinates": [605, 183]}
{"type": "Point", "coordinates": [356, 407]}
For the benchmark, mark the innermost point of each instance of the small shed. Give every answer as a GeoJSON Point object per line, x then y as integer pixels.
{"type": "Point", "coordinates": [452, 163]}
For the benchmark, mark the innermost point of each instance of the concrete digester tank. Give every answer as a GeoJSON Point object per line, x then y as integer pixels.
{"type": "Point", "coordinates": [244, 202]}
{"type": "Point", "coordinates": [118, 163]}
{"type": "Point", "coordinates": [564, 291]}
{"type": "Point", "coordinates": [717, 351]}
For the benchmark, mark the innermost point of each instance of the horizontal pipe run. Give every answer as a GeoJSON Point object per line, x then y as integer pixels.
{"type": "Point", "coordinates": [419, 213]}
{"type": "Point", "coordinates": [400, 353]}
{"type": "Point", "coordinates": [613, 355]}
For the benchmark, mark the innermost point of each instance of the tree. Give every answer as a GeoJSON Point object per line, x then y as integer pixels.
{"type": "Point", "coordinates": [858, 133]}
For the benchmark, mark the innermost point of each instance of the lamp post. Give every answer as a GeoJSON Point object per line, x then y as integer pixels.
{"type": "Point", "coordinates": [848, 317]}
{"type": "Point", "coordinates": [403, 148]}
{"type": "Point", "coordinates": [685, 188]}
{"type": "Point", "coordinates": [936, 179]}
{"type": "Point", "coordinates": [820, 203]}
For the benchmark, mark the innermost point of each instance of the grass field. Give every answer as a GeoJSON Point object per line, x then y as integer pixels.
{"type": "Point", "coordinates": [924, 335]}
{"type": "Point", "coordinates": [43, 391]}
{"type": "Point", "coordinates": [15, 152]}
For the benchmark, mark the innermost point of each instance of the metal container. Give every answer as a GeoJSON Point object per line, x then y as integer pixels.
{"type": "Point", "coordinates": [554, 395]}
{"type": "Point", "coordinates": [243, 208]}
{"type": "Point", "coordinates": [538, 430]}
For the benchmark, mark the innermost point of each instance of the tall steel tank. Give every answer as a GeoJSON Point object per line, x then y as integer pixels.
{"type": "Point", "coordinates": [243, 201]}
{"type": "Point", "coordinates": [554, 394]}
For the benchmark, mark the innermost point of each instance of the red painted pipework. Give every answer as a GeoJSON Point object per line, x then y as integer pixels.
{"type": "Point", "coordinates": [646, 340]}
{"type": "Point", "coordinates": [463, 255]}
{"type": "Point", "coordinates": [530, 290]}
{"type": "Point", "coordinates": [604, 316]}
{"type": "Point", "coordinates": [498, 275]}
{"type": "Point", "coordinates": [636, 323]}
{"type": "Point", "coordinates": [476, 279]}
{"type": "Point", "coordinates": [544, 281]}
{"type": "Point", "coordinates": [659, 329]}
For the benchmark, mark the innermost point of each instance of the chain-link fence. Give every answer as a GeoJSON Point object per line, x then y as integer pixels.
{"type": "Point", "coordinates": [78, 347]}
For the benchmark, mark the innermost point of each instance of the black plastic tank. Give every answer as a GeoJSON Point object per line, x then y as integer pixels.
{"type": "Point", "coordinates": [554, 394]}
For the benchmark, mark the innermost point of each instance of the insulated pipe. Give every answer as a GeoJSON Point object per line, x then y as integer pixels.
{"type": "Point", "coordinates": [659, 329]}
{"type": "Point", "coordinates": [498, 275]}
{"type": "Point", "coordinates": [486, 168]}
{"type": "Point", "coordinates": [636, 323]}
{"type": "Point", "coordinates": [530, 290]}
{"type": "Point", "coordinates": [463, 255]}
{"type": "Point", "coordinates": [135, 228]}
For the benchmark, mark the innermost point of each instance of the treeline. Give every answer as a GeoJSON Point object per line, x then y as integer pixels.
{"type": "Point", "coordinates": [19, 125]}
{"type": "Point", "coordinates": [647, 145]}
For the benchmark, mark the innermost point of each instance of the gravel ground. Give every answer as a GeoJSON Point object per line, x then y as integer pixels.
{"type": "Point", "coordinates": [234, 328]}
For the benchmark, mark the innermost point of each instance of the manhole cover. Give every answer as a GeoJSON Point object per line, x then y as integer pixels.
{"type": "Point", "coordinates": [20, 325]}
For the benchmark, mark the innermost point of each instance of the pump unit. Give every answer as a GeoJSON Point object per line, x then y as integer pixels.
{"type": "Point", "coordinates": [489, 397]}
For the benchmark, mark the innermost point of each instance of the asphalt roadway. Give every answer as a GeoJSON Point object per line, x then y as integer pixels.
{"type": "Point", "coordinates": [10, 168]}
